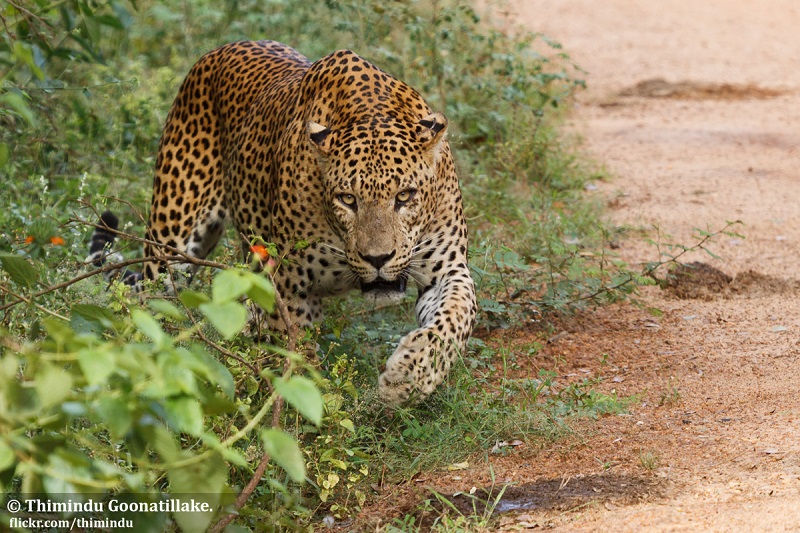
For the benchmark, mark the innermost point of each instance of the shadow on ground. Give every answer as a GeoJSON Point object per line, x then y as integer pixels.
{"type": "Point", "coordinates": [546, 495]}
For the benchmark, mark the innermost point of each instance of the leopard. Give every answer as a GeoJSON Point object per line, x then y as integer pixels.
{"type": "Point", "coordinates": [335, 154]}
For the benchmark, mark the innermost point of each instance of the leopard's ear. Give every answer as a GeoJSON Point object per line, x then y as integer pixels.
{"type": "Point", "coordinates": [431, 132]}
{"type": "Point", "coordinates": [319, 136]}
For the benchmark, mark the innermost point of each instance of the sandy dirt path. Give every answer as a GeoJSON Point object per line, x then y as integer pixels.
{"type": "Point", "coordinates": [721, 375]}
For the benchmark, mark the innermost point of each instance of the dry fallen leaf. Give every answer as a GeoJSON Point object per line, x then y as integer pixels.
{"type": "Point", "coordinates": [498, 445]}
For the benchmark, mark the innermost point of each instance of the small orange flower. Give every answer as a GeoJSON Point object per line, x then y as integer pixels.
{"type": "Point", "coordinates": [29, 239]}
{"type": "Point", "coordinates": [56, 241]}
{"type": "Point", "coordinates": [260, 251]}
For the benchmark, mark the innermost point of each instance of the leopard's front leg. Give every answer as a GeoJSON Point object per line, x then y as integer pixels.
{"type": "Point", "coordinates": [446, 314]}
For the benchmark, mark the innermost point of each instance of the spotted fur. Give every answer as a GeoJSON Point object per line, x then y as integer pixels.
{"type": "Point", "coordinates": [336, 153]}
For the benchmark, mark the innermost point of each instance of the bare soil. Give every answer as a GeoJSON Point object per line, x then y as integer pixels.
{"type": "Point", "coordinates": [694, 110]}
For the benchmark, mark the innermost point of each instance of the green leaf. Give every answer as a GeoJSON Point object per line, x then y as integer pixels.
{"type": "Point", "coordinates": [162, 441]}
{"type": "Point", "coordinates": [73, 409]}
{"type": "Point", "coordinates": [96, 365]}
{"type": "Point", "coordinates": [91, 27]}
{"type": "Point", "coordinates": [23, 53]}
{"type": "Point", "coordinates": [5, 154]}
{"type": "Point", "coordinates": [166, 308]}
{"type": "Point", "coordinates": [228, 318]}
{"type": "Point", "coordinates": [94, 312]}
{"type": "Point", "coordinates": [209, 367]}
{"type": "Point", "coordinates": [8, 370]}
{"type": "Point", "coordinates": [7, 456]}
{"type": "Point", "coordinates": [53, 385]}
{"type": "Point", "coordinates": [230, 285]}
{"type": "Point", "coordinates": [232, 455]}
{"type": "Point", "coordinates": [68, 474]}
{"type": "Point", "coordinates": [303, 395]}
{"type": "Point", "coordinates": [192, 299]}
{"type": "Point", "coordinates": [205, 481]}
{"type": "Point", "coordinates": [111, 21]}
{"type": "Point", "coordinates": [338, 463]}
{"type": "Point", "coordinates": [284, 450]}
{"type": "Point", "coordinates": [87, 318]}
{"type": "Point", "coordinates": [177, 377]}
{"type": "Point", "coordinates": [185, 414]}
{"type": "Point", "coordinates": [262, 292]}
{"type": "Point", "coordinates": [58, 332]}
{"type": "Point", "coordinates": [18, 104]}
{"type": "Point", "coordinates": [150, 327]}
{"type": "Point", "coordinates": [115, 414]}
{"type": "Point", "coordinates": [21, 272]}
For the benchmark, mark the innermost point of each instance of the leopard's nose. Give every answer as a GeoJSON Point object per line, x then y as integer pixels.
{"type": "Point", "coordinates": [378, 260]}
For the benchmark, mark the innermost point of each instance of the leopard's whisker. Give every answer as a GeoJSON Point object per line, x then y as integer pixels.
{"type": "Point", "coordinates": [335, 250]}
{"type": "Point", "coordinates": [417, 276]}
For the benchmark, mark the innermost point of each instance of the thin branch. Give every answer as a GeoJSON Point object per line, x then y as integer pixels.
{"type": "Point", "coordinates": [179, 257]}
{"type": "Point", "coordinates": [179, 253]}
{"type": "Point", "coordinates": [95, 272]}
{"type": "Point", "coordinates": [8, 343]}
{"type": "Point", "coordinates": [29, 301]}
{"type": "Point", "coordinates": [247, 491]}
{"type": "Point", "coordinates": [291, 345]}
{"type": "Point", "coordinates": [227, 353]}
{"type": "Point", "coordinates": [28, 15]}
{"type": "Point", "coordinates": [183, 258]}
{"type": "Point", "coordinates": [81, 88]}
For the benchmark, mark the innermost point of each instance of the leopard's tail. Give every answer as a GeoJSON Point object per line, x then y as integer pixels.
{"type": "Point", "coordinates": [101, 251]}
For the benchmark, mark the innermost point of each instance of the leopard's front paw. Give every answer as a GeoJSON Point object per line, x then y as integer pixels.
{"type": "Point", "coordinates": [394, 389]}
{"type": "Point", "coordinates": [412, 372]}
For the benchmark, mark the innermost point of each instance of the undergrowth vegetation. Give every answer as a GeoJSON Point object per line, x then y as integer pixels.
{"type": "Point", "coordinates": [103, 395]}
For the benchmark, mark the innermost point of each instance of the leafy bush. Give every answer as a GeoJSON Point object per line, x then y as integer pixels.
{"type": "Point", "coordinates": [102, 395]}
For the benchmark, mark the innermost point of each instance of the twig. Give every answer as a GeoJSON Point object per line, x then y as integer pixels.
{"type": "Point", "coordinates": [8, 343]}
{"type": "Point", "coordinates": [82, 88]}
{"type": "Point", "coordinates": [247, 491]}
{"type": "Point", "coordinates": [227, 353]}
{"type": "Point", "coordinates": [258, 473]}
{"type": "Point", "coordinates": [29, 301]}
{"type": "Point", "coordinates": [291, 346]}
{"type": "Point", "coordinates": [101, 270]}
{"type": "Point", "coordinates": [180, 253]}
{"type": "Point", "coordinates": [181, 258]}
{"type": "Point", "coordinates": [28, 15]}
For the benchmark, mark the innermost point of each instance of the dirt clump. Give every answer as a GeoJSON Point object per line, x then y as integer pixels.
{"type": "Point", "coordinates": [694, 90]}
{"type": "Point", "coordinates": [697, 281]}
{"type": "Point", "coordinates": [757, 284]}
{"type": "Point", "coordinates": [701, 281]}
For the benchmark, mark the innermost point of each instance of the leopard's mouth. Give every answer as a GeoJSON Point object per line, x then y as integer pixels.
{"type": "Point", "coordinates": [380, 285]}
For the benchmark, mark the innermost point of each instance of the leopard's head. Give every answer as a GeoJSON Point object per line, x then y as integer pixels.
{"type": "Point", "coordinates": [380, 192]}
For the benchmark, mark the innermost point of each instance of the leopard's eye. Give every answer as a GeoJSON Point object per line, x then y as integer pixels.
{"type": "Point", "coordinates": [405, 196]}
{"type": "Point", "coordinates": [348, 199]}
